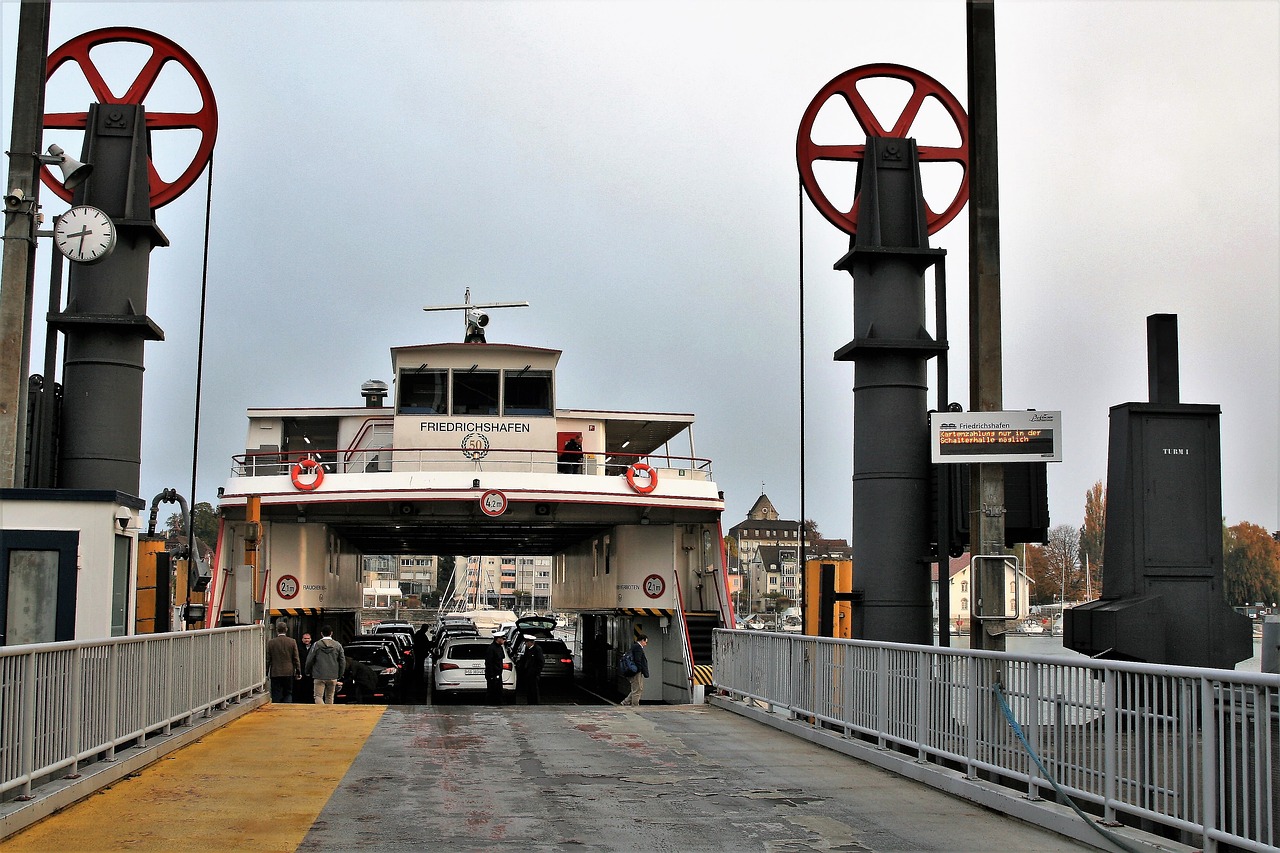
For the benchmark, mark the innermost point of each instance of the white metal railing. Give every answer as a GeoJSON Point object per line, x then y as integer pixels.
{"type": "Point", "coordinates": [368, 460]}
{"type": "Point", "coordinates": [66, 704]}
{"type": "Point", "coordinates": [1194, 750]}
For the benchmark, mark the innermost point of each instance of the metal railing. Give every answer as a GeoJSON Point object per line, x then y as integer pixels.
{"type": "Point", "coordinates": [1193, 750]}
{"type": "Point", "coordinates": [67, 704]}
{"type": "Point", "coordinates": [367, 460]}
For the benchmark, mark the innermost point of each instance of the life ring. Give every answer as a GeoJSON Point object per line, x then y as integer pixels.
{"type": "Point", "coordinates": [309, 465]}
{"type": "Point", "coordinates": [637, 468]}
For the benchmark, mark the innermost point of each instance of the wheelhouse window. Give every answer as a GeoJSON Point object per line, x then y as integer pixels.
{"type": "Point", "coordinates": [475, 392]}
{"type": "Point", "coordinates": [424, 392]}
{"type": "Point", "coordinates": [526, 393]}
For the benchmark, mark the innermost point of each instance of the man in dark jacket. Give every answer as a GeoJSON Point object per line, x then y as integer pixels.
{"type": "Point", "coordinates": [302, 692]}
{"type": "Point", "coordinates": [283, 664]}
{"type": "Point", "coordinates": [361, 680]}
{"type": "Point", "coordinates": [642, 667]}
{"type": "Point", "coordinates": [533, 661]}
{"type": "Point", "coordinates": [495, 657]}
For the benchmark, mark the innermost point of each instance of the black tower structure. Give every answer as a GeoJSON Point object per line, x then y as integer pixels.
{"type": "Point", "coordinates": [1162, 593]}
{"type": "Point", "coordinates": [105, 321]}
{"type": "Point", "coordinates": [887, 258]}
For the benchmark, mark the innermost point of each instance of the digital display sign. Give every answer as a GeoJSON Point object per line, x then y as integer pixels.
{"type": "Point", "coordinates": [996, 436]}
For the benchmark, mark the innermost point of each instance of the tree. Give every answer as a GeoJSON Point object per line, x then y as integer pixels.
{"type": "Point", "coordinates": [1092, 535]}
{"type": "Point", "coordinates": [444, 574]}
{"type": "Point", "coordinates": [1063, 575]}
{"type": "Point", "coordinates": [204, 521]}
{"type": "Point", "coordinates": [811, 531]}
{"type": "Point", "coordinates": [1036, 562]}
{"type": "Point", "coordinates": [1250, 565]}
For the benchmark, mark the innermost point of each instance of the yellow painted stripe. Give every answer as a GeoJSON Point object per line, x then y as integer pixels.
{"type": "Point", "coordinates": [256, 784]}
{"type": "Point", "coordinates": [702, 673]}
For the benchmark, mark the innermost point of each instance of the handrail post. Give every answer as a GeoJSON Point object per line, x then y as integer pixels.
{"type": "Point", "coordinates": [1208, 765]}
{"type": "Point", "coordinates": [882, 697]}
{"type": "Point", "coordinates": [1110, 741]}
{"type": "Point", "coordinates": [27, 747]}
{"type": "Point", "coordinates": [924, 661]}
{"type": "Point", "coordinates": [971, 723]}
{"type": "Point", "coordinates": [1033, 728]}
{"type": "Point", "coordinates": [76, 717]}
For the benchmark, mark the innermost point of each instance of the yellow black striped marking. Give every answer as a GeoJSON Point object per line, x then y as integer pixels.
{"type": "Point", "coordinates": [702, 673]}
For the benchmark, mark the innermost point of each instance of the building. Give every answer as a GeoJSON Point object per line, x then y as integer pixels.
{"type": "Point", "coordinates": [768, 556]}
{"type": "Point", "coordinates": [960, 585]}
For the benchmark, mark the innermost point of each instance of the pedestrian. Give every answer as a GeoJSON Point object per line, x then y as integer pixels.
{"type": "Point", "coordinates": [302, 691]}
{"type": "Point", "coordinates": [495, 662]}
{"type": "Point", "coordinates": [570, 458]}
{"type": "Point", "coordinates": [421, 649]}
{"type": "Point", "coordinates": [283, 664]}
{"type": "Point", "coordinates": [361, 680]}
{"type": "Point", "coordinates": [326, 662]}
{"type": "Point", "coordinates": [642, 671]}
{"type": "Point", "coordinates": [534, 660]}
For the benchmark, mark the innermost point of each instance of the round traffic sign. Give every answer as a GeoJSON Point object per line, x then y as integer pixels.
{"type": "Point", "coordinates": [288, 586]}
{"type": "Point", "coordinates": [493, 503]}
{"type": "Point", "coordinates": [845, 86]}
{"type": "Point", "coordinates": [654, 586]}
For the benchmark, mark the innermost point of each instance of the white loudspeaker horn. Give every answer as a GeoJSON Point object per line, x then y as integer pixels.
{"type": "Point", "coordinates": [73, 171]}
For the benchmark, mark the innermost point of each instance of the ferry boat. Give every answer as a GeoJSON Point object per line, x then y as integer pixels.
{"type": "Point", "coordinates": [467, 451]}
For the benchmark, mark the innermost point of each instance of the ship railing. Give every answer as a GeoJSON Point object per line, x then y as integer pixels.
{"type": "Point", "coordinates": [368, 460]}
{"type": "Point", "coordinates": [1192, 751]}
{"type": "Point", "coordinates": [66, 705]}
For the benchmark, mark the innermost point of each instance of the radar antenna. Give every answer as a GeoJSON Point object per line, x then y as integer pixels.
{"type": "Point", "coordinates": [473, 317]}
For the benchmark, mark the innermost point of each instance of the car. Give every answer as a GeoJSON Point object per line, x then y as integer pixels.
{"type": "Point", "coordinates": [557, 659]}
{"type": "Point", "coordinates": [450, 631]}
{"type": "Point", "coordinates": [380, 659]}
{"type": "Point", "coordinates": [393, 627]}
{"type": "Point", "coordinates": [400, 644]}
{"type": "Point", "coordinates": [536, 626]}
{"type": "Point", "coordinates": [459, 668]}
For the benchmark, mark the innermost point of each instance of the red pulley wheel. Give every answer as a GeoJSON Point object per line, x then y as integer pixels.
{"type": "Point", "coordinates": [845, 86]}
{"type": "Point", "coordinates": [163, 51]}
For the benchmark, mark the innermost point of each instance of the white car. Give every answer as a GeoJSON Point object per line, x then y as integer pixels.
{"type": "Point", "coordinates": [459, 668]}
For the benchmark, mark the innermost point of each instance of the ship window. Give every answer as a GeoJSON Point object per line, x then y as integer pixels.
{"type": "Point", "coordinates": [526, 393]}
{"type": "Point", "coordinates": [475, 392]}
{"type": "Point", "coordinates": [424, 392]}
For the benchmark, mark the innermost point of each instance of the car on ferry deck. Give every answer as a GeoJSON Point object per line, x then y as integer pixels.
{"type": "Point", "coordinates": [459, 668]}
{"type": "Point", "coordinates": [381, 659]}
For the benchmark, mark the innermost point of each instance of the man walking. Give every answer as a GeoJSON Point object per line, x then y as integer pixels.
{"type": "Point", "coordinates": [495, 661]}
{"type": "Point", "coordinates": [642, 671]}
{"type": "Point", "coordinates": [326, 663]}
{"type": "Point", "coordinates": [283, 664]}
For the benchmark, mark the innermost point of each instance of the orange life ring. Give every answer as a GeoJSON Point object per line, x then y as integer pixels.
{"type": "Point", "coordinates": [637, 468]}
{"type": "Point", "coordinates": [307, 465]}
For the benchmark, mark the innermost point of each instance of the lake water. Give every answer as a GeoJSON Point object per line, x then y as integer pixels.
{"type": "Point", "coordinates": [1048, 645]}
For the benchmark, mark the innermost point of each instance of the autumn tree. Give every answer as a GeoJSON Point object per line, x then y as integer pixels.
{"type": "Point", "coordinates": [1062, 571]}
{"type": "Point", "coordinates": [1250, 565]}
{"type": "Point", "coordinates": [1036, 562]}
{"type": "Point", "coordinates": [1092, 534]}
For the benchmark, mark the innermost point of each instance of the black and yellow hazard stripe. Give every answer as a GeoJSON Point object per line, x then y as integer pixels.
{"type": "Point", "coordinates": [295, 611]}
{"type": "Point", "coordinates": [647, 611]}
{"type": "Point", "coordinates": [702, 673]}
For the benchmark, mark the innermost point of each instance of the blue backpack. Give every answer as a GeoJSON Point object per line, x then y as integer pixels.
{"type": "Point", "coordinates": [628, 665]}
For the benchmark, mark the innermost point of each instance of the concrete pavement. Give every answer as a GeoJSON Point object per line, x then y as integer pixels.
{"type": "Point", "coordinates": [537, 778]}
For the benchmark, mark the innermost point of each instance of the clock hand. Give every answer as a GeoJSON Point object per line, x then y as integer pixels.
{"type": "Point", "coordinates": [82, 233]}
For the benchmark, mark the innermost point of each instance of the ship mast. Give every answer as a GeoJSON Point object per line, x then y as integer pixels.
{"type": "Point", "coordinates": [474, 319]}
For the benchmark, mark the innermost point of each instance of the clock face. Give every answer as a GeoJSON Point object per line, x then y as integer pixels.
{"type": "Point", "coordinates": [85, 234]}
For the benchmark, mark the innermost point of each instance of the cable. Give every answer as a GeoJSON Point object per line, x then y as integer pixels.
{"type": "Point", "coordinates": [1017, 729]}
{"type": "Point", "coordinates": [195, 438]}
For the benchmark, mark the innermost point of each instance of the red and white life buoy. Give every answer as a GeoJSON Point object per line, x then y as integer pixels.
{"type": "Point", "coordinates": [308, 466]}
{"type": "Point", "coordinates": [642, 468]}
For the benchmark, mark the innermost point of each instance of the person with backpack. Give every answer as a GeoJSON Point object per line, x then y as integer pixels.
{"type": "Point", "coordinates": [635, 666]}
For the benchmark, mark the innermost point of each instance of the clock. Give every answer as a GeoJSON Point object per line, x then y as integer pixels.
{"type": "Point", "coordinates": [84, 234]}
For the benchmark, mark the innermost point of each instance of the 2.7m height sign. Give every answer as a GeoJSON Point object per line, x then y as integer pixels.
{"type": "Point", "coordinates": [995, 436]}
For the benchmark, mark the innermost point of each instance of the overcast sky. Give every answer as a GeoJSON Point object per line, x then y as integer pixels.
{"type": "Point", "coordinates": [629, 169]}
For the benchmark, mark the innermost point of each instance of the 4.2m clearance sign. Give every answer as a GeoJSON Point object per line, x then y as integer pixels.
{"type": "Point", "coordinates": [995, 436]}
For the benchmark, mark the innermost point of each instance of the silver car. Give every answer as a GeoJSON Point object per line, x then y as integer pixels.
{"type": "Point", "coordinates": [459, 668]}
